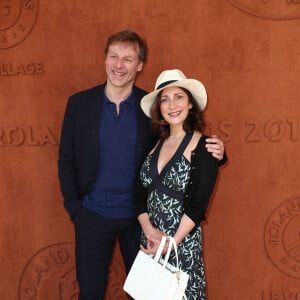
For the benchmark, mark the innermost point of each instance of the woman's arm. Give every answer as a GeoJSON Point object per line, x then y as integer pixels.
{"type": "Point", "coordinates": [152, 234]}
{"type": "Point", "coordinates": [185, 227]}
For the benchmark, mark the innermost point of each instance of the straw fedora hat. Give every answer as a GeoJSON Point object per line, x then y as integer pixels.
{"type": "Point", "coordinates": [175, 77]}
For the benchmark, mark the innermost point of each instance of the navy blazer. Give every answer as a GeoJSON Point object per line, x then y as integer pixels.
{"type": "Point", "coordinates": [79, 143]}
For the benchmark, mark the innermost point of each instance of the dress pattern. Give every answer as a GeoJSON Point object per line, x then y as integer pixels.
{"type": "Point", "coordinates": [165, 208]}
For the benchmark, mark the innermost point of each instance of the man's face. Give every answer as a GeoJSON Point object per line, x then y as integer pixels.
{"type": "Point", "coordinates": [122, 64]}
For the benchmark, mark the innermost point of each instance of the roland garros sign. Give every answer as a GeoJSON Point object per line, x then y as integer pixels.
{"type": "Point", "coordinates": [270, 9]}
{"type": "Point", "coordinates": [17, 19]}
{"type": "Point", "coordinates": [282, 237]}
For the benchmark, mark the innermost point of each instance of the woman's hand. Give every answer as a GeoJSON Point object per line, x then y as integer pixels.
{"type": "Point", "coordinates": [153, 235]}
{"type": "Point", "coordinates": [153, 242]}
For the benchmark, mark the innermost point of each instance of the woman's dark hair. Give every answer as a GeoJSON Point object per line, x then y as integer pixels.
{"type": "Point", "coordinates": [131, 37]}
{"type": "Point", "coordinates": [194, 120]}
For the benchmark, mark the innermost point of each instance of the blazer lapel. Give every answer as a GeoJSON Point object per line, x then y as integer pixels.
{"type": "Point", "coordinates": [96, 99]}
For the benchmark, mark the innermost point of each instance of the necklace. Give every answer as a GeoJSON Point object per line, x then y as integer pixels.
{"type": "Point", "coordinates": [172, 142]}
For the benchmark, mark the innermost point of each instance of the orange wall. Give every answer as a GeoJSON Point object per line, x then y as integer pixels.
{"type": "Point", "coordinates": [247, 53]}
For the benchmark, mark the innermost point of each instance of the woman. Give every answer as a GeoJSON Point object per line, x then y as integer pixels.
{"type": "Point", "coordinates": [178, 176]}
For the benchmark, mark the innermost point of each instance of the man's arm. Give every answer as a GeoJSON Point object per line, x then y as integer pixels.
{"type": "Point", "coordinates": [66, 162]}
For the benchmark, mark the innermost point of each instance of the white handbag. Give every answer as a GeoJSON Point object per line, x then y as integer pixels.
{"type": "Point", "coordinates": [153, 278]}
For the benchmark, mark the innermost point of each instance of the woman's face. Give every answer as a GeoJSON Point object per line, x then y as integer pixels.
{"type": "Point", "coordinates": [174, 105]}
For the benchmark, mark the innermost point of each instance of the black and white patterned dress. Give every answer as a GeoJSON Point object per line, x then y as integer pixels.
{"type": "Point", "coordinates": [165, 208]}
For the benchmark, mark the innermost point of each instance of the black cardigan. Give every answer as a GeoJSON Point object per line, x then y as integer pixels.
{"type": "Point", "coordinates": [203, 175]}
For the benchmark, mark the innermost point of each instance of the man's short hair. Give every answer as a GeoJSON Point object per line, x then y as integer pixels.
{"type": "Point", "coordinates": [131, 37]}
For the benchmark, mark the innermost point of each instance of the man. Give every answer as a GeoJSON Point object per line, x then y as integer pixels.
{"type": "Point", "coordinates": [105, 138]}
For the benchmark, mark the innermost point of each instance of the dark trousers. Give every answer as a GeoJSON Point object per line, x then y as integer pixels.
{"type": "Point", "coordinates": [95, 238]}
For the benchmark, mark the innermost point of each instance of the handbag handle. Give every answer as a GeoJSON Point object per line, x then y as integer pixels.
{"type": "Point", "coordinates": [158, 254]}
{"type": "Point", "coordinates": [160, 249]}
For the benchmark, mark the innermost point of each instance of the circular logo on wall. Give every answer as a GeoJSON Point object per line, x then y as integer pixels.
{"type": "Point", "coordinates": [50, 274]}
{"type": "Point", "coordinates": [17, 18]}
{"type": "Point", "coordinates": [270, 9]}
{"type": "Point", "coordinates": [282, 237]}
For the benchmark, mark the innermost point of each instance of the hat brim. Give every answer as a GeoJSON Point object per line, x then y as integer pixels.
{"type": "Point", "coordinates": [195, 87]}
